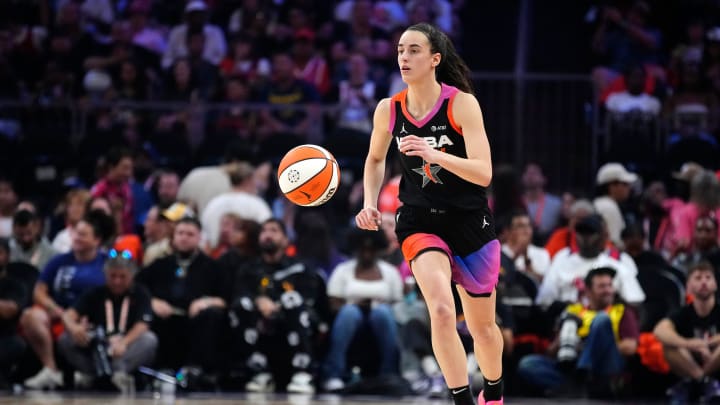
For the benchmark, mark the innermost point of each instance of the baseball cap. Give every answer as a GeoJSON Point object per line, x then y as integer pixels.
{"type": "Point", "coordinates": [195, 5]}
{"type": "Point", "coordinates": [177, 211]}
{"type": "Point", "coordinates": [605, 271]}
{"type": "Point", "coordinates": [305, 33]}
{"type": "Point", "coordinates": [610, 172]}
{"type": "Point", "coordinates": [687, 171]}
{"type": "Point", "coordinates": [590, 224]}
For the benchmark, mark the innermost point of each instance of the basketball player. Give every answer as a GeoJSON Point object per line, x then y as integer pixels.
{"type": "Point", "coordinates": [445, 226]}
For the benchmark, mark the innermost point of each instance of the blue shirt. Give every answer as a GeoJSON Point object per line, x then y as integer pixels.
{"type": "Point", "coordinates": [67, 279]}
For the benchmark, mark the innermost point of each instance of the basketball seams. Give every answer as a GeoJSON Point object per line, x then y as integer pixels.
{"type": "Point", "coordinates": [305, 177]}
{"type": "Point", "coordinates": [309, 179]}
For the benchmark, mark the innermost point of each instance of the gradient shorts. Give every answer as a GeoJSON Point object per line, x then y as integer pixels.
{"type": "Point", "coordinates": [466, 237]}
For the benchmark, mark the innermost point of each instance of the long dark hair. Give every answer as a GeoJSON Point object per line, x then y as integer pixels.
{"type": "Point", "coordinates": [452, 69]}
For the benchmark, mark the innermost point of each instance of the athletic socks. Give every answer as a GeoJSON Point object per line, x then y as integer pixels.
{"type": "Point", "coordinates": [462, 395]}
{"type": "Point", "coordinates": [493, 390]}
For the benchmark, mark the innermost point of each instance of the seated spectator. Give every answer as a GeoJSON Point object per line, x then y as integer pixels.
{"type": "Point", "coordinates": [214, 49]}
{"type": "Point", "coordinates": [656, 209]}
{"type": "Point", "coordinates": [393, 253]}
{"type": "Point", "coordinates": [206, 74]}
{"type": "Point", "coordinates": [543, 208]}
{"type": "Point", "coordinates": [243, 244]}
{"type": "Point", "coordinates": [705, 246]}
{"type": "Point", "coordinates": [704, 201]}
{"type": "Point", "coordinates": [565, 237]}
{"type": "Point", "coordinates": [361, 291]}
{"type": "Point", "coordinates": [165, 187]}
{"type": "Point", "coordinates": [693, 43]}
{"type": "Point", "coordinates": [615, 184]}
{"type": "Point", "coordinates": [65, 278]}
{"type": "Point", "coordinates": [159, 229]}
{"type": "Point", "coordinates": [291, 122]}
{"type": "Point", "coordinates": [243, 62]}
{"type": "Point", "coordinates": [315, 243]}
{"type": "Point", "coordinates": [8, 203]}
{"type": "Point", "coordinates": [143, 34]}
{"type": "Point", "coordinates": [27, 244]}
{"type": "Point", "coordinates": [188, 301]}
{"type": "Point", "coordinates": [115, 186]}
{"type": "Point", "coordinates": [15, 295]}
{"type": "Point", "coordinates": [563, 281]}
{"type": "Point", "coordinates": [528, 258]}
{"type": "Point", "coordinates": [634, 99]}
{"type": "Point", "coordinates": [693, 95]}
{"type": "Point", "coordinates": [118, 315]}
{"type": "Point", "coordinates": [690, 338]}
{"type": "Point", "coordinates": [75, 203]}
{"type": "Point", "coordinates": [242, 200]}
{"type": "Point", "coordinates": [594, 340]}
{"type": "Point", "coordinates": [279, 305]}
{"type": "Point", "coordinates": [647, 261]}
{"type": "Point", "coordinates": [310, 65]}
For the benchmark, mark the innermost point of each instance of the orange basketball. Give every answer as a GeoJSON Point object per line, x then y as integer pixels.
{"type": "Point", "coordinates": [308, 175]}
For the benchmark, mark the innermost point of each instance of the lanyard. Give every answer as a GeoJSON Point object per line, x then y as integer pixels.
{"type": "Point", "coordinates": [110, 317]}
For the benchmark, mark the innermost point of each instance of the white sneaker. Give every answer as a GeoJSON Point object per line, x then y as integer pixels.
{"type": "Point", "coordinates": [261, 382]}
{"type": "Point", "coordinates": [124, 382]}
{"type": "Point", "coordinates": [82, 380]}
{"type": "Point", "coordinates": [46, 378]}
{"type": "Point", "coordinates": [301, 383]}
{"type": "Point", "coordinates": [333, 384]}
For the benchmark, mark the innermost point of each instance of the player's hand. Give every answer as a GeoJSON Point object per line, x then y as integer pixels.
{"type": "Point", "coordinates": [369, 218]}
{"type": "Point", "coordinates": [412, 145]}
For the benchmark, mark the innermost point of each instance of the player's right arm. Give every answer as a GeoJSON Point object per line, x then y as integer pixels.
{"type": "Point", "coordinates": [369, 217]}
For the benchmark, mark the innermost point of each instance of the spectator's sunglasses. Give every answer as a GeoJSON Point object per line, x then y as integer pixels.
{"type": "Point", "coordinates": [123, 254]}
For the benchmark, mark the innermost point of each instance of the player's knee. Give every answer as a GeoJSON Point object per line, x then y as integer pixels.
{"type": "Point", "coordinates": [485, 332]}
{"type": "Point", "coordinates": [442, 315]}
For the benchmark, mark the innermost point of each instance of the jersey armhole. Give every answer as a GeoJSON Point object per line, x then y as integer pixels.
{"type": "Point", "coordinates": [393, 114]}
{"type": "Point", "coordinates": [450, 115]}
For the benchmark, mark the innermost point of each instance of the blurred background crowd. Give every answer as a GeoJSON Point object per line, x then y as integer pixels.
{"type": "Point", "coordinates": [139, 141]}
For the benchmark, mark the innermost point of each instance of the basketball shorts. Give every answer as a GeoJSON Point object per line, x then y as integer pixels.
{"type": "Point", "coordinates": [466, 237]}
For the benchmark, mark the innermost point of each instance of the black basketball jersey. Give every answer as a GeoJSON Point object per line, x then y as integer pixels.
{"type": "Point", "coordinates": [429, 185]}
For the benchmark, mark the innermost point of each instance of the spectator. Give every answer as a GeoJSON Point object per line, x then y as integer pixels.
{"type": "Point", "coordinates": [315, 243]}
{"type": "Point", "coordinates": [656, 209]}
{"type": "Point", "coordinates": [143, 34]}
{"type": "Point", "coordinates": [627, 41]}
{"type": "Point", "coordinates": [130, 83]}
{"type": "Point", "coordinates": [65, 278]}
{"type": "Point", "coordinates": [8, 202]}
{"type": "Point", "coordinates": [27, 244]}
{"type": "Point", "coordinates": [243, 238]}
{"type": "Point", "coordinates": [214, 48]}
{"type": "Point", "coordinates": [123, 312]}
{"type": "Point", "coordinates": [634, 99]}
{"type": "Point", "coordinates": [243, 61]}
{"type": "Point", "coordinates": [647, 261]}
{"type": "Point", "coordinates": [242, 201]}
{"type": "Point", "coordinates": [596, 338]}
{"type": "Point", "coordinates": [286, 126]}
{"type": "Point", "coordinates": [615, 183]}
{"type": "Point", "coordinates": [565, 237]}
{"type": "Point", "coordinates": [563, 281]}
{"type": "Point", "coordinates": [206, 74]}
{"type": "Point", "coordinates": [161, 227]}
{"type": "Point", "coordinates": [693, 96]}
{"type": "Point", "coordinates": [689, 337]}
{"type": "Point", "coordinates": [75, 202]}
{"type": "Point", "coordinates": [167, 187]}
{"type": "Point", "coordinates": [704, 201]}
{"type": "Point", "coordinates": [361, 292]}
{"type": "Point", "coordinates": [693, 45]}
{"type": "Point", "coordinates": [188, 301]}
{"type": "Point", "coordinates": [704, 246]}
{"type": "Point", "coordinates": [544, 208]}
{"type": "Point", "coordinates": [310, 65]}
{"type": "Point", "coordinates": [233, 123]}
{"type": "Point", "coordinates": [528, 258]}
{"type": "Point", "coordinates": [392, 253]}
{"type": "Point", "coordinates": [115, 186]}
{"type": "Point", "coordinates": [14, 297]}
{"type": "Point", "coordinates": [279, 305]}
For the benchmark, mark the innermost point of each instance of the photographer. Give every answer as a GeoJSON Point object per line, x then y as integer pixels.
{"type": "Point", "coordinates": [108, 331]}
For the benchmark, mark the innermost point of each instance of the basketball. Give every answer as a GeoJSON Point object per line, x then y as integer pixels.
{"type": "Point", "coordinates": [308, 175]}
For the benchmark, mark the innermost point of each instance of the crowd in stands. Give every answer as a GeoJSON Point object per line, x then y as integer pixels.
{"type": "Point", "coordinates": [177, 251]}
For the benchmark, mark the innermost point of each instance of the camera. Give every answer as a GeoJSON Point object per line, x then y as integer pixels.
{"type": "Point", "coordinates": [101, 353]}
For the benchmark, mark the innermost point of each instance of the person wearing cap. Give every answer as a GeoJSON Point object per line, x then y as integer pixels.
{"type": "Point", "coordinates": [159, 227]}
{"type": "Point", "coordinates": [615, 183]}
{"type": "Point", "coordinates": [564, 237]}
{"type": "Point", "coordinates": [690, 338]}
{"type": "Point", "coordinates": [27, 244]}
{"type": "Point", "coordinates": [596, 336]}
{"type": "Point", "coordinates": [563, 281]}
{"type": "Point", "coordinates": [310, 65]}
{"type": "Point", "coordinates": [196, 12]}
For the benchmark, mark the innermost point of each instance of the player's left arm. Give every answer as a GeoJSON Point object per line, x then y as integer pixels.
{"type": "Point", "coordinates": [477, 167]}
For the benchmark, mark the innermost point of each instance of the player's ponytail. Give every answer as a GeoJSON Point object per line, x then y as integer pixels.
{"type": "Point", "coordinates": [452, 69]}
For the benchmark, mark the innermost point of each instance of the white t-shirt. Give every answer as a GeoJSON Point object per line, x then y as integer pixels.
{"type": "Point", "coordinates": [5, 227]}
{"type": "Point", "coordinates": [559, 284]}
{"type": "Point", "coordinates": [63, 241]}
{"type": "Point", "coordinates": [610, 211]}
{"type": "Point", "coordinates": [625, 102]}
{"type": "Point", "coordinates": [539, 257]}
{"type": "Point", "coordinates": [343, 284]}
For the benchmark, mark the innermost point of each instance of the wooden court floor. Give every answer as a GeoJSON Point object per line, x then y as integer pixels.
{"type": "Point", "coordinates": [261, 399]}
